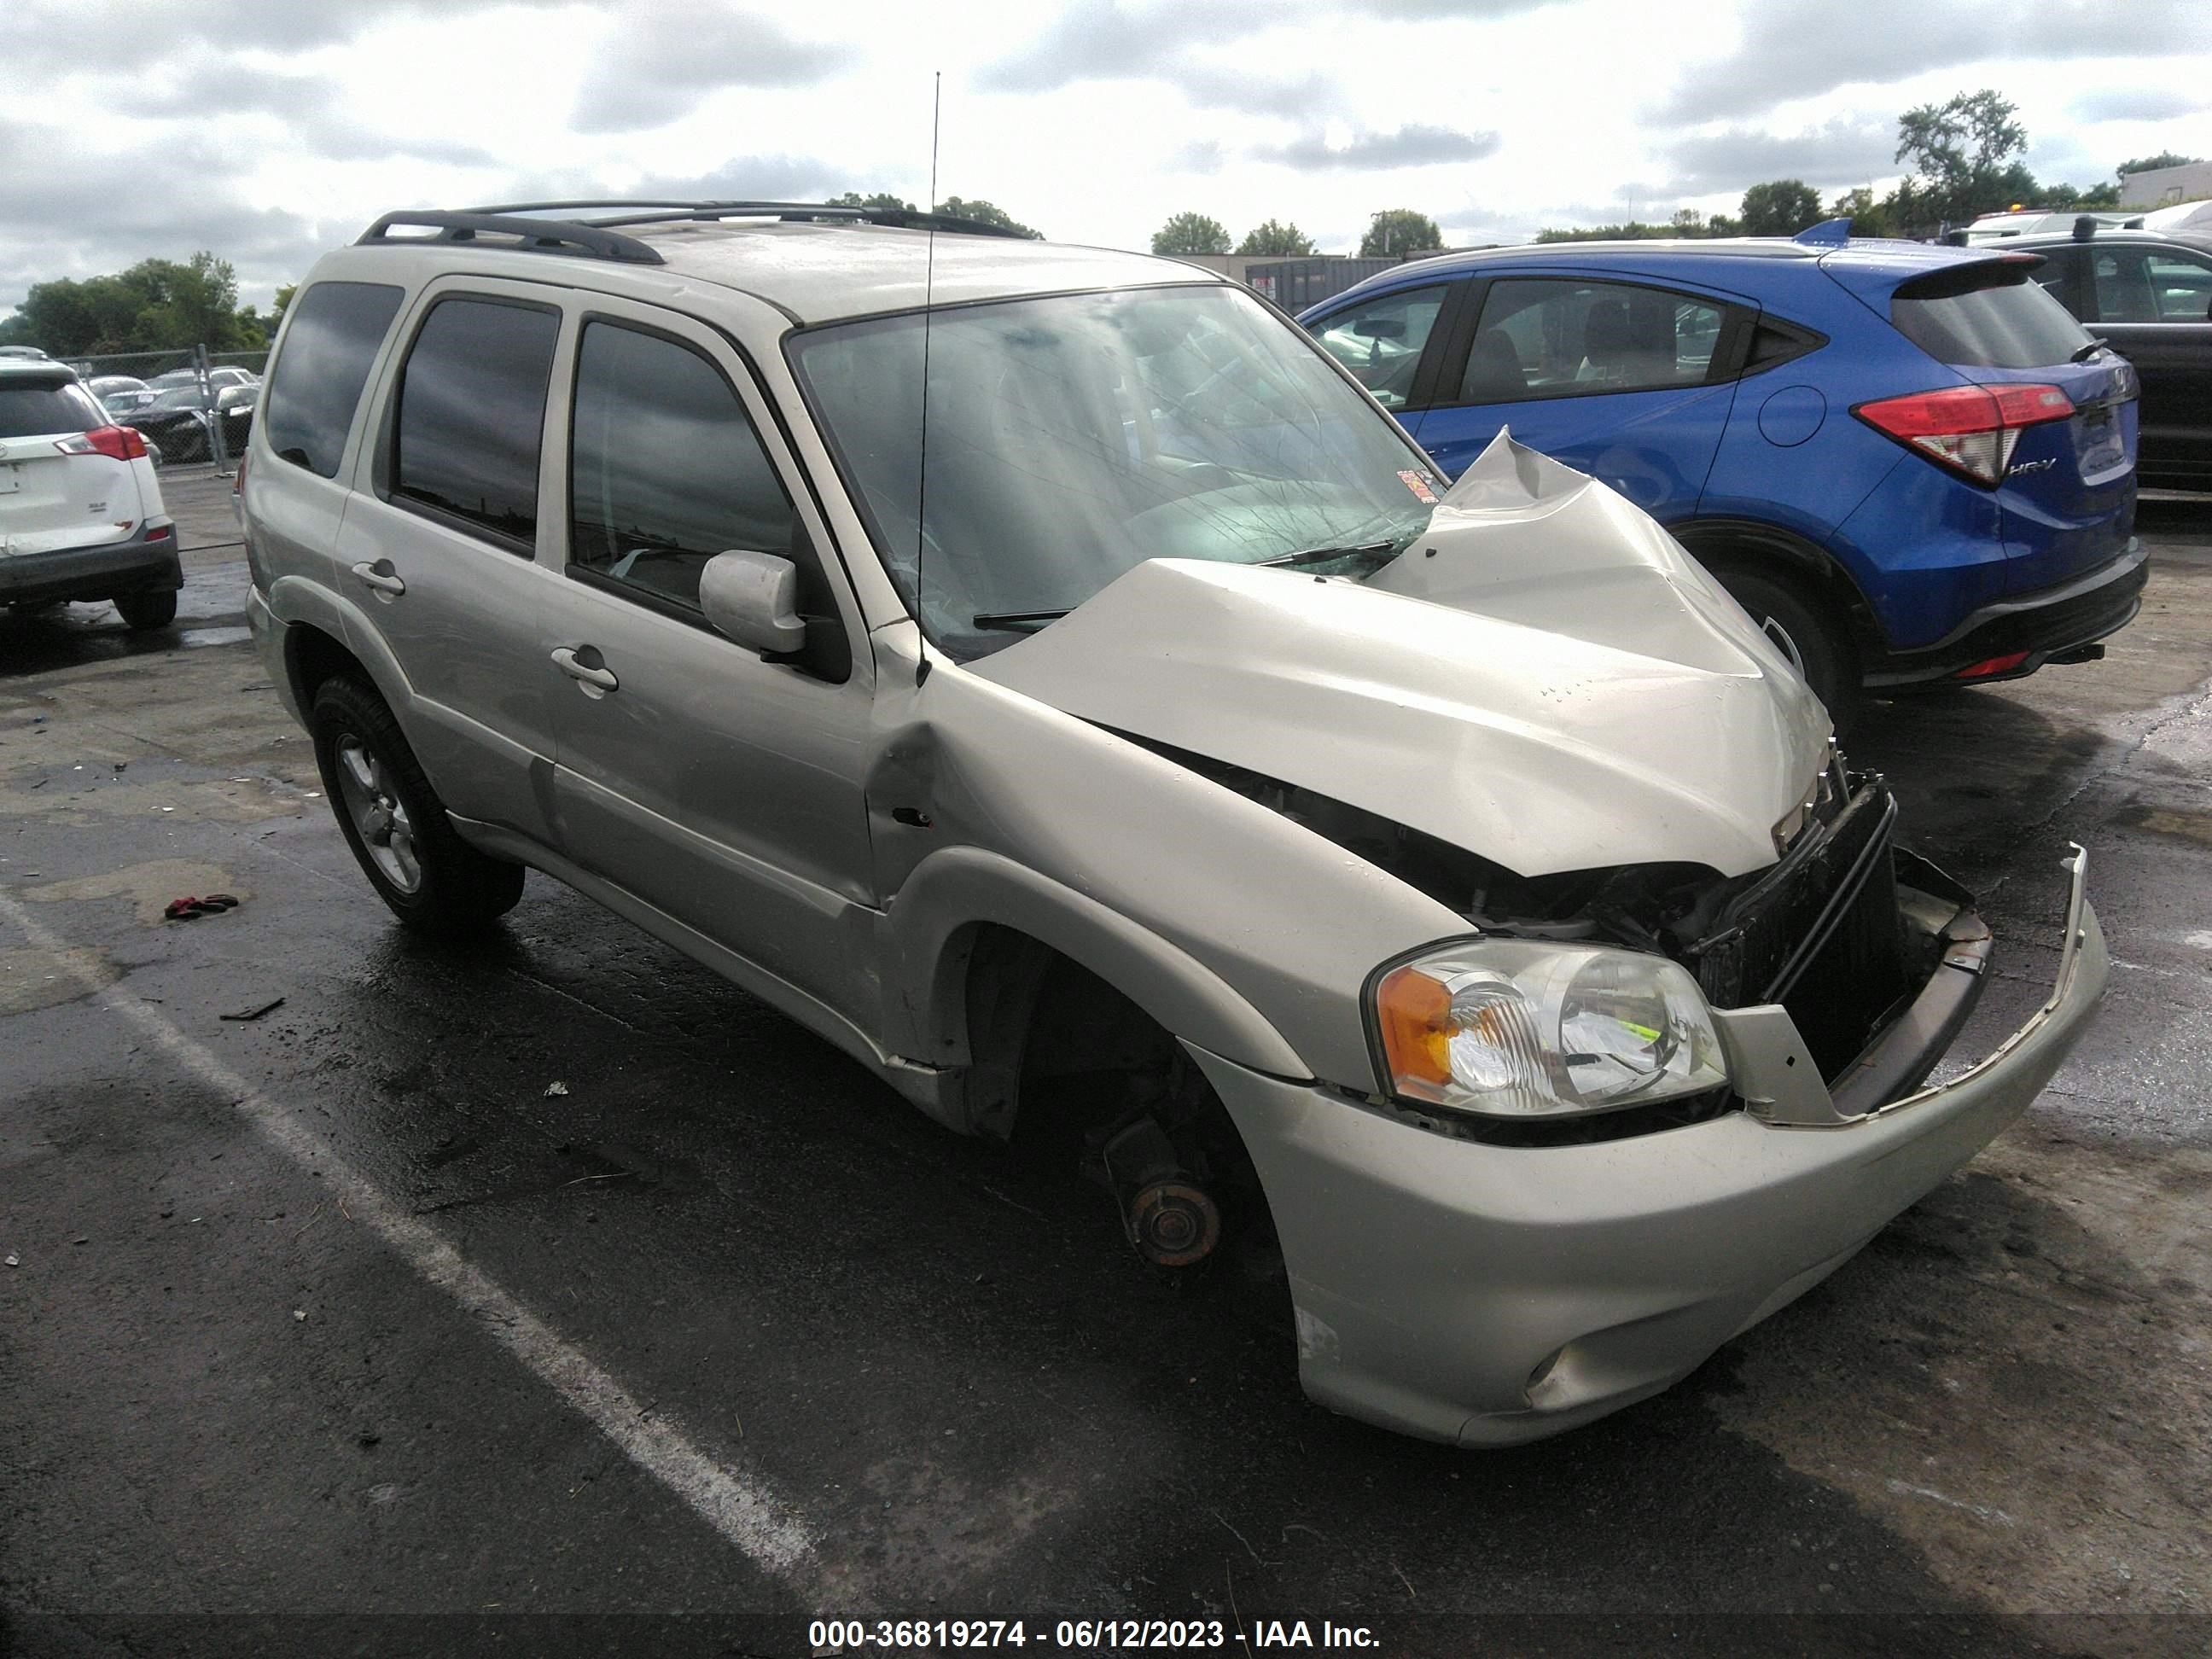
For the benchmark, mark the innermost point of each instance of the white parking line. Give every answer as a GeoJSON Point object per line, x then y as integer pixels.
{"type": "Point", "coordinates": [738, 1503]}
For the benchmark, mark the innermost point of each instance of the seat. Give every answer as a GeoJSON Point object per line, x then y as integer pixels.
{"type": "Point", "coordinates": [1494, 373]}
{"type": "Point", "coordinates": [1605, 342]}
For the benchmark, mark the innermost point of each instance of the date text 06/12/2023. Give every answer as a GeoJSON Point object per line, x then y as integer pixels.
{"type": "Point", "coordinates": [832, 1636]}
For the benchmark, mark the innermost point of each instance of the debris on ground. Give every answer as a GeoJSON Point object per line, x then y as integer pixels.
{"type": "Point", "coordinates": [255, 1012]}
{"type": "Point", "coordinates": [555, 1088]}
{"type": "Point", "coordinates": [11, 1259]}
{"type": "Point", "coordinates": [299, 1313]}
{"type": "Point", "coordinates": [190, 908]}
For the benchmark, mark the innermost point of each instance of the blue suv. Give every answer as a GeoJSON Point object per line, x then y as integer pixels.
{"type": "Point", "coordinates": [1908, 461]}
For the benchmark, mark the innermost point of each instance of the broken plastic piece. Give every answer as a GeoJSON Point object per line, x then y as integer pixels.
{"type": "Point", "coordinates": [555, 1088]}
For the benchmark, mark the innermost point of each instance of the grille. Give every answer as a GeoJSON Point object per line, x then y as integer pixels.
{"type": "Point", "coordinates": [1820, 934]}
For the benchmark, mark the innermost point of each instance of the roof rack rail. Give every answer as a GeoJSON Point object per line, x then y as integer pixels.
{"type": "Point", "coordinates": [530, 235]}
{"type": "Point", "coordinates": [672, 212]}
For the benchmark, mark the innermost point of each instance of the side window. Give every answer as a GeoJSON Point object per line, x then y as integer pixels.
{"type": "Point", "coordinates": [666, 468]}
{"type": "Point", "coordinates": [2124, 293]}
{"type": "Point", "coordinates": [337, 329]}
{"type": "Point", "coordinates": [2181, 286]}
{"type": "Point", "coordinates": [1380, 342]}
{"type": "Point", "coordinates": [472, 413]}
{"type": "Point", "coordinates": [1544, 337]}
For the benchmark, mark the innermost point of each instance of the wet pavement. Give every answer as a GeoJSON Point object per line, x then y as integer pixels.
{"type": "Point", "coordinates": [555, 1276]}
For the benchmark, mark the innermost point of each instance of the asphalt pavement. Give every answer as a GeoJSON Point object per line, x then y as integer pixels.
{"type": "Point", "coordinates": [557, 1289]}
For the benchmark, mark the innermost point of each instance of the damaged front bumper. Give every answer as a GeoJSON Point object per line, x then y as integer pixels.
{"type": "Point", "coordinates": [1489, 1295]}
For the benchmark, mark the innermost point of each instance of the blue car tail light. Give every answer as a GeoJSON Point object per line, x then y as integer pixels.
{"type": "Point", "coordinates": [1971, 429]}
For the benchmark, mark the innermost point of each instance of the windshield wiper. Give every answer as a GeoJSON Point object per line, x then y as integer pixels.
{"type": "Point", "coordinates": [1033, 619]}
{"type": "Point", "coordinates": [1323, 555]}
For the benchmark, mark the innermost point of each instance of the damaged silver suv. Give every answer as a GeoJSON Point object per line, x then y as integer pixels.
{"type": "Point", "coordinates": [1045, 674]}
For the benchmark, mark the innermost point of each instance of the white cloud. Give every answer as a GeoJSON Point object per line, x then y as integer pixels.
{"type": "Point", "coordinates": [265, 129]}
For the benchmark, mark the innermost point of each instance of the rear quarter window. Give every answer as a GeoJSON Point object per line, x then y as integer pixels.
{"type": "Point", "coordinates": [1986, 316]}
{"type": "Point", "coordinates": [316, 385]}
{"type": "Point", "coordinates": [35, 410]}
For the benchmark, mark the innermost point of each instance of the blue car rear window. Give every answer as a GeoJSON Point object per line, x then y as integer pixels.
{"type": "Point", "coordinates": [1986, 316]}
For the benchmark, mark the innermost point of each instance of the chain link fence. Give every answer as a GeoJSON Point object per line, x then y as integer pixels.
{"type": "Point", "coordinates": [193, 406]}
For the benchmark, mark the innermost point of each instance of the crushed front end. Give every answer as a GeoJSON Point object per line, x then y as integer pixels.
{"type": "Point", "coordinates": [1492, 1280]}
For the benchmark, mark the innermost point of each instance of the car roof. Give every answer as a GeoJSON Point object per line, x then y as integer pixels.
{"type": "Point", "coordinates": [35, 368]}
{"type": "Point", "coordinates": [2116, 239]}
{"type": "Point", "coordinates": [1712, 259]}
{"type": "Point", "coordinates": [814, 270]}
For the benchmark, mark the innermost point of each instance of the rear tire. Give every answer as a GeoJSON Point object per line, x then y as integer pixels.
{"type": "Point", "coordinates": [144, 612]}
{"type": "Point", "coordinates": [435, 882]}
{"type": "Point", "coordinates": [1829, 664]}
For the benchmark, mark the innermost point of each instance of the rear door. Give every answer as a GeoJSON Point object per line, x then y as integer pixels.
{"type": "Point", "coordinates": [2153, 303]}
{"type": "Point", "coordinates": [2067, 499]}
{"type": "Point", "coordinates": [53, 497]}
{"type": "Point", "coordinates": [439, 555]}
{"type": "Point", "coordinates": [1630, 382]}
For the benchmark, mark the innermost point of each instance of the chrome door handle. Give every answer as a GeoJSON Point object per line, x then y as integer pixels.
{"type": "Point", "coordinates": [382, 581]}
{"type": "Point", "coordinates": [597, 681]}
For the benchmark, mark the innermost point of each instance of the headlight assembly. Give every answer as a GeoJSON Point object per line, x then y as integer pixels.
{"type": "Point", "coordinates": [1511, 1028]}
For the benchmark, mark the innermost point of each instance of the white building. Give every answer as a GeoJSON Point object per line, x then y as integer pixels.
{"type": "Point", "coordinates": [2161, 186]}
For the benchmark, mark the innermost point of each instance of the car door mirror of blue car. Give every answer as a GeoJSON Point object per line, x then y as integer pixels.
{"type": "Point", "coordinates": [753, 598]}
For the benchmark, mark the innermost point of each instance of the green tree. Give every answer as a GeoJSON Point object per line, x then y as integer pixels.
{"type": "Point", "coordinates": [1191, 233]}
{"type": "Point", "coordinates": [983, 213]}
{"type": "Point", "coordinates": [1780, 206]}
{"type": "Point", "coordinates": [1276, 239]}
{"type": "Point", "coordinates": [2065, 196]}
{"type": "Point", "coordinates": [1869, 216]}
{"type": "Point", "coordinates": [2164, 158]}
{"type": "Point", "coordinates": [881, 201]}
{"type": "Point", "coordinates": [1963, 155]}
{"type": "Point", "coordinates": [158, 305]}
{"type": "Point", "coordinates": [1399, 230]}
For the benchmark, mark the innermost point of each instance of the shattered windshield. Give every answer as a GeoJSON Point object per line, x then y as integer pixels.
{"type": "Point", "coordinates": [1071, 438]}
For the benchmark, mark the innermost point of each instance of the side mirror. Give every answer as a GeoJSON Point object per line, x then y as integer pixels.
{"type": "Point", "coordinates": [753, 598]}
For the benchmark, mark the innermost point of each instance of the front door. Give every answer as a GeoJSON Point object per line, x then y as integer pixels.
{"type": "Point", "coordinates": [722, 789]}
{"type": "Point", "coordinates": [1622, 382]}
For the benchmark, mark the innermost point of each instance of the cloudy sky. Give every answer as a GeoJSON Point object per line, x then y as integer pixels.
{"type": "Point", "coordinates": [271, 129]}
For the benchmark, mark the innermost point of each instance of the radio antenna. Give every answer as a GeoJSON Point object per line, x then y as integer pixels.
{"type": "Point", "coordinates": [922, 481]}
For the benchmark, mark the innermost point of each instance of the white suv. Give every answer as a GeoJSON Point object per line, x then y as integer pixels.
{"type": "Point", "coordinates": [81, 511]}
{"type": "Point", "coordinates": [1048, 675]}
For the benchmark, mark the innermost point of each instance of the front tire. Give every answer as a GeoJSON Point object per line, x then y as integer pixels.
{"type": "Point", "coordinates": [435, 882]}
{"type": "Point", "coordinates": [1825, 657]}
{"type": "Point", "coordinates": [144, 612]}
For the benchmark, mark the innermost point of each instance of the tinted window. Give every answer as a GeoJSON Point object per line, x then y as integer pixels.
{"type": "Point", "coordinates": [472, 411]}
{"type": "Point", "coordinates": [1543, 336]}
{"type": "Point", "coordinates": [35, 410]}
{"type": "Point", "coordinates": [1381, 341]}
{"type": "Point", "coordinates": [1986, 316]}
{"type": "Point", "coordinates": [336, 328]}
{"type": "Point", "coordinates": [2152, 285]}
{"type": "Point", "coordinates": [666, 470]}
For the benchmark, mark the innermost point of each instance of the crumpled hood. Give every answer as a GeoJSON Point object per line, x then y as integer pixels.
{"type": "Point", "coordinates": [1544, 678]}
